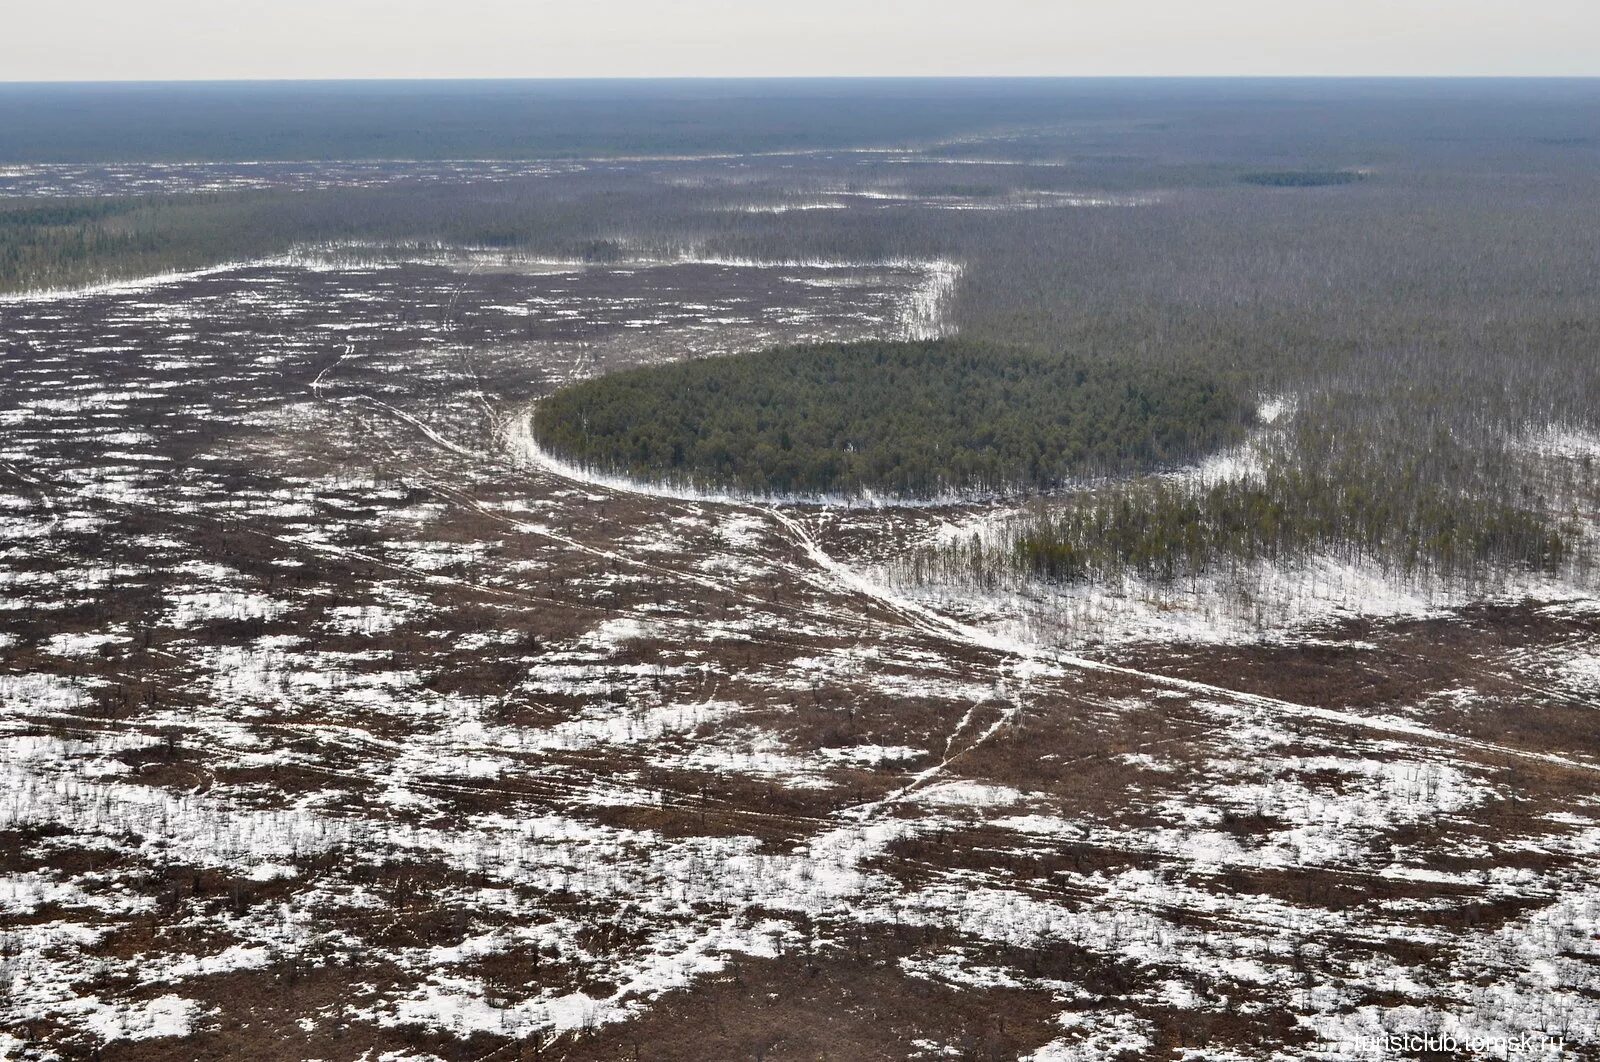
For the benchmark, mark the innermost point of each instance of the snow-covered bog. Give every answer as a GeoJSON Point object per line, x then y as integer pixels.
{"type": "Point", "coordinates": [330, 711]}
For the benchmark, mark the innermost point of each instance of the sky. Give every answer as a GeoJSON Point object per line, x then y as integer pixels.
{"type": "Point", "coordinates": [73, 40]}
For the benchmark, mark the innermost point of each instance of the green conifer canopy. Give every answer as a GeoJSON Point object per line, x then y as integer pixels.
{"type": "Point", "coordinates": [915, 419]}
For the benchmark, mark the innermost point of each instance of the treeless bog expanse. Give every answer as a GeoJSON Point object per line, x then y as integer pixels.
{"type": "Point", "coordinates": [824, 570]}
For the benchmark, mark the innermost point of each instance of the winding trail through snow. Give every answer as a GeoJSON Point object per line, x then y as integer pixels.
{"type": "Point", "coordinates": [1029, 657]}
{"type": "Point", "coordinates": [829, 573]}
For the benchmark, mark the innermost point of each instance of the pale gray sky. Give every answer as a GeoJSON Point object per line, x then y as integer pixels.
{"type": "Point", "coordinates": [178, 39]}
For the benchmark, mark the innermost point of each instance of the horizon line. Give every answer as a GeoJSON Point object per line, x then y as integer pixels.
{"type": "Point", "coordinates": [703, 78]}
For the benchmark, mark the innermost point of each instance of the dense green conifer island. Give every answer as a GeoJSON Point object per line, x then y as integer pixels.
{"type": "Point", "coordinates": [915, 419]}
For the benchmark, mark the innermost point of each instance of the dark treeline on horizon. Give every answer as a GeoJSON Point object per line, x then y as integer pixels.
{"type": "Point", "coordinates": [524, 119]}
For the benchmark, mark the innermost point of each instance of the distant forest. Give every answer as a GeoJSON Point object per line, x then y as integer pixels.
{"type": "Point", "coordinates": [1301, 178]}
{"type": "Point", "coordinates": [1431, 321]}
{"type": "Point", "coordinates": [916, 419]}
{"type": "Point", "coordinates": [528, 119]}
